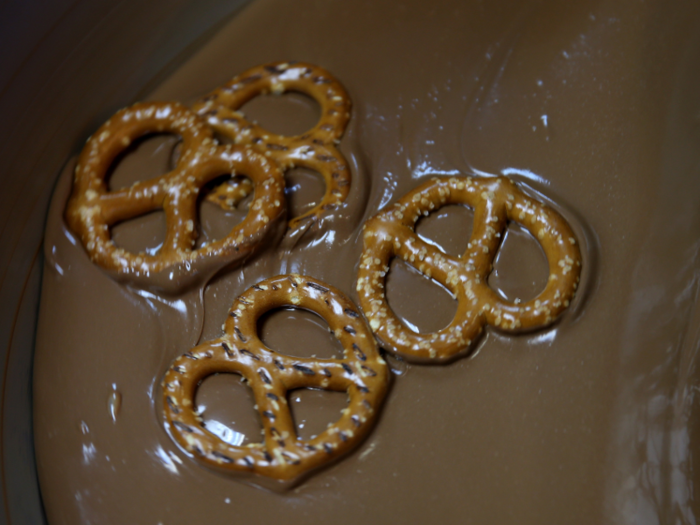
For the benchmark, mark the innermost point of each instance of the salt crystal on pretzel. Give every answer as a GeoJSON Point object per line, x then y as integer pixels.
{"type": "Point", "coordinates": [495, 201]}
{"type": "Point", "coordinates": [229, 194]}
{"type": "Point", "coordinates": [93, 209]}
{"type": "Point", "coordinates": [282, 456]}
{"type": "Point", "coordinates": [316, 149]}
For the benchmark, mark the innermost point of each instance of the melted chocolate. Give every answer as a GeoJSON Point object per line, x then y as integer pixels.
{"type": "Point", "coordinates": [592, 105]}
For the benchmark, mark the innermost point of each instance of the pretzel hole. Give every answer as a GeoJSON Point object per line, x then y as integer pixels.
{"type": "Point", "coordinates": [287, 114]}
{"type": "Point", "coordinates": [421, 303]}
{"type": "Point", "coordinates": [298, 333]}
{"type": "Point", "coordinates": [144, 234]}
{"type": "Point", "coordinates": [226, 405]}
{"type": "Point", "coordinates": [520, 270]}
{"type": "Point", "coordinates": [304, 189]}
{"type": "Point", "coordinates": [313, 410]}
{"type": "Point", "coordinates": [222, 204]}
{"type": "Point", "coordinates": [147, 157]}
{"type": "Point", "coordinates": [449, 228]}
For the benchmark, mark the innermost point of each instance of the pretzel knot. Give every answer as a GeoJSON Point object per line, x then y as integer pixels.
{"type": "Point", "coordinates": [315, 149]}
{"type": "Point", "coordinates": [362, 373]}
{"type": "Point", "coordinates": [92, 208]}
{"type": "Point", "coordinates": [495, 201]}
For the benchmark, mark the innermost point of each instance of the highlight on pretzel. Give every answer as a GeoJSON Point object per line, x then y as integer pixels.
{"type": "Point", "coordinates": [282, 455]}
{"type": "Point", "coordinates": [495, 201]}
{"type": "Point", "coordinates": [315, 149]}
{"type": "Point", "coordinates": [92, 209]}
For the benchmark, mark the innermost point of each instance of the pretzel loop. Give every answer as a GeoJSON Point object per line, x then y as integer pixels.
{"type": "Point", "coordinates": [92, 208]}
{"type": "Point", "coordinates": [316, 149]}
{"type": "Point", "coordinates": [495, 202]}
{"type": "Point", "coordinates": [283, 456]}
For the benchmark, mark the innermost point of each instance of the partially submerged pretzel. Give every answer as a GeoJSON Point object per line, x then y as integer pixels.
{"type": "Point", "coordinates": [316, 149]}
{"type": "Point", "coordinates": [495, 201]}
{"type": "Point", "coordinates": [282, 456]}
{"type": "Point", "coordinates": [93, 209]}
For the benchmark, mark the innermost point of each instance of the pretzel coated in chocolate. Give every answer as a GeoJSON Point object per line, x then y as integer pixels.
{"type": "Point", "coordinates": [495, 202]}
{"type": "Point", "coordinates": [92, 208]}
{"type": "Point", "coordinates": [316, 149]}
{"type": "Point", "coordinates": [362, 373]}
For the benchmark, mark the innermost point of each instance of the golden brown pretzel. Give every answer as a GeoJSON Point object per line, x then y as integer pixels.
{"type": "Point", "coordinates": [495, 201]}
{"type": "Point", "coordinates": [229, 194]}
{"type": "Point", "coordinates": [92, 208]}
{"type": "Point", "coordinates": [315, 149]}
{"type": "Point", "coordinates": [362, 373]}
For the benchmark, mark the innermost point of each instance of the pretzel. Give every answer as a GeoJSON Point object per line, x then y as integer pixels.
{"type": "Point", "coordinates": [495, 201]}
{"type": "Point", "coordinates": [92, 209]}
{"type": "Point", "coordinates": [315, 149]}
{"type": "Point", "coordinates": [282, 456]}
{"type": "Point", "coordinates": [229, 194]}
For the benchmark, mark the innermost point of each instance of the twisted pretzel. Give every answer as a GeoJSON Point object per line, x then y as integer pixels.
{"type": "Point", "coordinates": [495, 201]}
{"type": "Point", "coordinates": [362, 373]}
{"type": "Point", "coordinates": [315, 149]}
{"type": "Point", "coordinates": [92, 209]}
